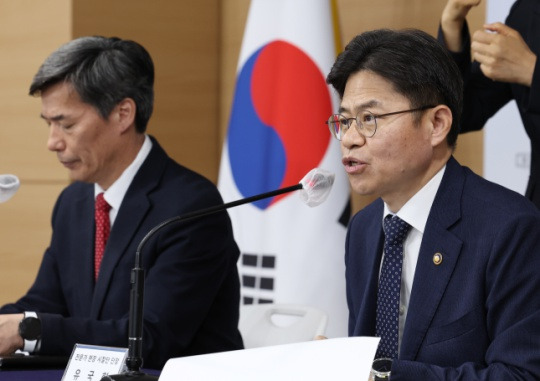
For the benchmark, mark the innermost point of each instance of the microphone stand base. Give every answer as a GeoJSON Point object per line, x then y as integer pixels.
{"type": "Point", "coordinates": [130, 376]}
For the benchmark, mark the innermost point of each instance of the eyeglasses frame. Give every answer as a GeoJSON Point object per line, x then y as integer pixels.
{"type": "Point", "coordinates": [350, 120]}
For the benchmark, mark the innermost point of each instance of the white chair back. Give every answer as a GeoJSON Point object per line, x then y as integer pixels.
{"type": "Point", "coordinates": [273, 324]}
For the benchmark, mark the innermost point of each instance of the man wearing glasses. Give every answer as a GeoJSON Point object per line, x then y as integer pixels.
{"type": "Point", "coordinates": [443, 267]}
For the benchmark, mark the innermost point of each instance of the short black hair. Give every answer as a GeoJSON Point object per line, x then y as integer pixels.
{"type": "Point", "coordinates": [417, 65]}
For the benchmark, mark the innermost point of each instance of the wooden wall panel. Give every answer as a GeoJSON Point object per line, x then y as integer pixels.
{"type": "Point", "coordinates": [29, 31]}
{"type": "Point", "coordinates": [356, 16]}
{"type": "Point", "coordinates": [182, 37]}
{"type": "Point", "coordinates": [26, 232]}
{"type": "Point", "coordinates": [233, 20]}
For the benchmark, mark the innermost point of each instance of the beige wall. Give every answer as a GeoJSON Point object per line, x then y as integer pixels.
{"type": "Point", "coordinates": [195, 46]}
{"type": "Point", "coordinates": [182, 37]}
{"type": "Point", "coordinates": [29, 31]}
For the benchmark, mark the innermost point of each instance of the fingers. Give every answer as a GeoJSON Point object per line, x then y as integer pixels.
{"type": "Point", "coordinates": [500, 28]}
{"type": "Point", "coordinates": [493, 40]}
{"type": "Point", "coordinates": [485, 49]}
{"type": "Point", "coordinates": [483, 37]}
{"type": "Point", "coordinates": [503, 54]}
{"type": "Point", "coordinates": [490, 31]}
{"type": "Point", "coordinates": [457, 10]}
{"type": "Point", "coordinates": [452, 21]}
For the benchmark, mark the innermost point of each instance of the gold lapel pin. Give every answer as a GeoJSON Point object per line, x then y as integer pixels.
{"type": "Point", "coordinates": [437, 259]}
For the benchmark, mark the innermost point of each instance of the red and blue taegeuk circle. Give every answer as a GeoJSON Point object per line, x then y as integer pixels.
{"type": "Point", "coordinates": [276, 131]}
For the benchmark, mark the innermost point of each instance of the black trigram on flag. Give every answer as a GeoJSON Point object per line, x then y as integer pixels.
{"type": "Point", "coordinates": [258, 273]}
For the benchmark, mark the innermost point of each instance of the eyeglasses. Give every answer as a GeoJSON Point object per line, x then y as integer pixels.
{"type": "Point", "coordinates": [366, 122]}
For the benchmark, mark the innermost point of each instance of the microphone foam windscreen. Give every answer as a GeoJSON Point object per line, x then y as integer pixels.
{"type": "Point", "coordinates": [8, 186]}
{"type": "Point", "coordinates": [316, 186]}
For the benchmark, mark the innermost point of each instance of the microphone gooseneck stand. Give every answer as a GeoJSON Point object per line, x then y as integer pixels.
{"type": "Point", "coordinates": [134, 360]}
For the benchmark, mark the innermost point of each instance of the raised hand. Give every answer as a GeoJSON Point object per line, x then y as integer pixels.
{"type": "Point", "coordinates": [503, 54]}
{"type": "Point", "coordinates": [452, 20]}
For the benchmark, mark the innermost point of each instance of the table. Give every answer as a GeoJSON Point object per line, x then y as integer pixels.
{"type": "Point", "coordinates": [44, 374]}
{"type": "Point", "coordinates": [31, 375]}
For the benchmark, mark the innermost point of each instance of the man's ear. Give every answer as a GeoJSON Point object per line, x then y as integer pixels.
{"type": "Point", "coordinates": [441, 120]}
{"type": "Point", "coordinates": [125, 113]}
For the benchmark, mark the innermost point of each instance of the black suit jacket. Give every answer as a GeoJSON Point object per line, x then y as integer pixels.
{"type": "Point", "coordinates": [476, 315]}
{"type": "Point", "coordinates": [192, 285]}
{"type": "Point", "coordinates": [484, 97]}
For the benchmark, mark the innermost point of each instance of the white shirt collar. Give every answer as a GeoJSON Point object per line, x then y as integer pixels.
{"type": "Point", "coordinates": [416, 211]}
{"type": "Point", "coordinates": [116, 192]}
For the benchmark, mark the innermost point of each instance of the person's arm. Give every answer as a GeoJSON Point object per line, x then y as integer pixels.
{"type": "Point", "coordinates": [191, 289]}
{"type": "Point", "coordinates": [60, 329]}
{"type": "Point", "coordinates": [483, 97]}
{"type": "Point", "coordinates": [48, 298]}
{"type": "Point", "coordinates": [10, 340]}
{"type": "Point", "coordinates": [453, 20]}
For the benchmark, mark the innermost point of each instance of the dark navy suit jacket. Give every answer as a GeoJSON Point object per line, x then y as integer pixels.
{"type": "Point", "coordinates": [192, 285]}
{"type": "Point", "coordinates": [484, 97]}
{"type": "Point", "coordinates": [476, 315]}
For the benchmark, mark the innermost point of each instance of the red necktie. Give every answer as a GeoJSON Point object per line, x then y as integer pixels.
{"type": "Point", "coordinates": [103, 227]}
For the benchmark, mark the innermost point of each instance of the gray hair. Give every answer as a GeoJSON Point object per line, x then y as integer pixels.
{"type": "Point", "coordinates": [103, 71]}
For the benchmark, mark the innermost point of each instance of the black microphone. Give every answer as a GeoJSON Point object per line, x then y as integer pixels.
{"type": "Point", "coordinates": [8, 186]}
{"type": "Point", "coordinates": [315, 188]}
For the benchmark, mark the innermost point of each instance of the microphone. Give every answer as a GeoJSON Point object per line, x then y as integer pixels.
{"type": "Point", "coordinates": [8, 186]}
{"type": "Point", "coordinates": [314, 190]}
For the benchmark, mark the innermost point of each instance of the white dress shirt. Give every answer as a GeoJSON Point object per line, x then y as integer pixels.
{"type": "Point", "coordinates": [116, 192]}
{"type": "Point", "coordinates": [415, 212]}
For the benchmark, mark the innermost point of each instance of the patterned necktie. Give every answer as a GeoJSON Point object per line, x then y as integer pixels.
{"type": "Point", "coordinates": [388, 296]}
{"type": "Point", "coordinates": [103, 227]}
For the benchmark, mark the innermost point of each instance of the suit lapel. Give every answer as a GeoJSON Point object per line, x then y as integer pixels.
{"type": "Point", "coordinates": [134, 208]}
{"type": "Point", "coordinates": [85, 233]}
{"type": "Point", "coordinates": [369, 270]}
{"type": "Point", "coordinates": [431, 279]}
{"type": "Point", "coordinates": [128, 220]}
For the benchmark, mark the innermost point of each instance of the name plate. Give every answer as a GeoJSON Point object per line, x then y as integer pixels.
{"type": "Point", "coordinates": [91, 362]}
